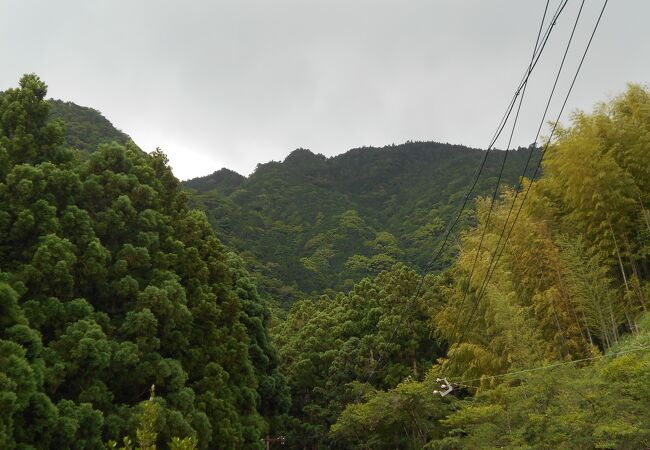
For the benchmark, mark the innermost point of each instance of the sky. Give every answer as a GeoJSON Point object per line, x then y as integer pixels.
{"type": "Point", "coordinates": [236, 83]}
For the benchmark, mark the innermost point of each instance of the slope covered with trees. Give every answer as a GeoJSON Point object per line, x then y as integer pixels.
{"type": "Point", "coordinates": [338, 350]}
{"type": "Point", "coordinates": [110, 284]}
{"type": "Point", "coordinates": [85, 128]}
{"type": "Point", "coordinates": [312, 224]}
{"type": "Point", "coordinates": [572, 284]}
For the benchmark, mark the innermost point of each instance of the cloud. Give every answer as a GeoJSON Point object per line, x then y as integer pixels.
{"type": "Point", "coordinates": [235, 83]}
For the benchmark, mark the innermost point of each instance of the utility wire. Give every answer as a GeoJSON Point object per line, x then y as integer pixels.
{"type": "Point", "coordinates": [550, 366]}
{"type": "Point", "coordinates": [498, 132]}
{"type": "Point", "coordinates": [497, 253]}
{"type": "Point", "coordinates": [498, 184]}
{"type": "Point", "coordinates": [537, 52]}
{"type": "Point", "coordinates": [491, 269]}
{"type": "Point", "coordinates": [491, 266]}
{"type": "Point", "coordinates": [452, 223]}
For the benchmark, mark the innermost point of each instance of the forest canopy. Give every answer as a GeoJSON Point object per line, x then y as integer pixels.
{"type": "Point", "coordinates": [292, 306]}
{"type": "Point", "coordinates": [110, 284]}
{"type": "Point", "coordinates": [312, 224]}
{"type": "Point", "coordinates": [572, 284]}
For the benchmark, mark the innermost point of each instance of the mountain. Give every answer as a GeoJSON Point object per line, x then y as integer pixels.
{"type": "Point", "coordinates": [310, 224]}
{"type": "Point", "coordinates": [123, 317]}
{"type": "Point", "coordinates": [85, 128]}
{"type": "Point", "coordinates": [223, 180]}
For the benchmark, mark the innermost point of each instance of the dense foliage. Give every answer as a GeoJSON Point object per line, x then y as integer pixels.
{"type": "Point", "coordinates": [109, 284]}
{"type": "Point", "coordinates": [600, 405]}
{"type": "Point", "coordinates": [85, 128]}
{"type": "Point", "coordinates": [336, 350]}
{"type": "Point", "coordinates": [572, 285]}
{"type": "Point", "coordinates": [314, 224]}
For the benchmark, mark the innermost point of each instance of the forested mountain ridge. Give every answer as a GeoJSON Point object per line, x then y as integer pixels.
{"type": "Point", "coordinates": [110, 283]}
{"type": "Point", "coordinates": [85, 128]}
{"type": "Point", "coordinates": [223, 181]}
{"type": "Point", "coordinates": [549, 348]}
{"type": "Point", "coordinates": [311, 223]}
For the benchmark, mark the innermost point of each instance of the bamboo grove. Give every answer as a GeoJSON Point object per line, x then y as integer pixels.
{"type": "Point", "coordinates": [571, 285]}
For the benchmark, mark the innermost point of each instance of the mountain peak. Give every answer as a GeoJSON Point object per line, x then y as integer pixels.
{"type": "Point", "coordinates": [300, 155]}
{"type": "Point", "coordinates": [224, 180]}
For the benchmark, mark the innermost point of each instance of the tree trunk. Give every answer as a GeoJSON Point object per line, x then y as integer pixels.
{"type": "Point", "coordinates": [559, 327]}
{"type": "Point", "coordinates": [618, 255]}
{"type": "Point", "coordinates": [614, 327]}
{"type": "Point", "coordinates": [584, 318]}
{"type": "Point", "coordinates": [565, 294]}
{"type": "Point", "coordinates": [627, 286]}
{"type": "Point", "coordinates": [635, 272]}
{"type": "Point", "coordinates": [644, 211]}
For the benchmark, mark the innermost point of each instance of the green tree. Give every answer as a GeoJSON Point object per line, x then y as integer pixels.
{"type": "Point", "coordinates": [110, 284]}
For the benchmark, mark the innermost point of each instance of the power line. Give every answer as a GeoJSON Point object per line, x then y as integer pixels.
{"type": "Point", "coordinates": [488, 274]}
{"type": "Point", "coordinates": [496, 189]}
{"type": "Point", "coordinates": [537, 52]}
{"type": "Point", "coordinates": [452, 223]}
{"type": "Point", "coordinates": [502, 123]}
{"type": "Point", "coordinates": [491, 267]}
{"type": "Point", "coordinates": [550, 366]}
{"type": "Point", "coordinates": [497, 253]}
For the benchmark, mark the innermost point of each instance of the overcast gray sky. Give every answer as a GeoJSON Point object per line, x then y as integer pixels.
{"type": "Point", "coordinates": [235, 83]}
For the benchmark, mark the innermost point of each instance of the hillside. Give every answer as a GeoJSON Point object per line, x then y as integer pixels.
{"type": "Point", "coordinates": [123, 316]}
{"type": "Point", "coordinates": [85, 128]}
{"type": "Point", "coordinates": [110, 284]}
{"type": "Point", "coordinates": [546, 349]}
{"type": "Point", "coordinates": [311, 223]}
